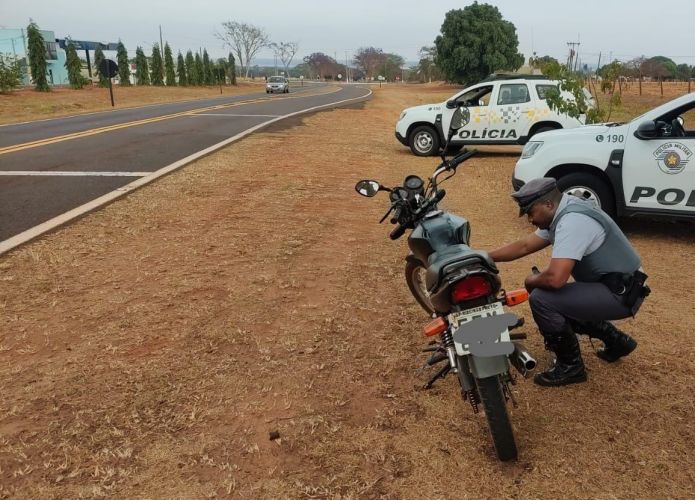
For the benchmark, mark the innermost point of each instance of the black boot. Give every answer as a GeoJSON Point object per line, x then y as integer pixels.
{"type": "Point", "coordinates": [568, 367]}
{"type": "Point", "coordinates": [617, 343]}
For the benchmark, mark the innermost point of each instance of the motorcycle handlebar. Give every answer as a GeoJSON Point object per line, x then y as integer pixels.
{"type": "Point", "coordinates": [397, 232]}
{"type": "Point", "coordinates": [455, 162]}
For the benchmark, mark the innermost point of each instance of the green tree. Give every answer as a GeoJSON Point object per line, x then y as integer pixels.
{"type": "Point", "coordinates": [541, 62]}
{"type": "Point", "coordinates": [10, 73]}
{"type": "Point", "coordinates": [74, 67]}
{"type": "Point", "coordinates": [169, 66]}
{"type": "Point", "coordinates": [190, 68]}
{"type": "Point", "coordinates": [181, 70]}
{"type": "Point", "coordinates": [574, 84]}
{"type": "Point", "coordinates": [199, 70]}
{"type": "Point", "coordinates": [682, 72]}
{"type": "Point", "coordinates": [669, 66]}
{"type": "Point", "coordinates": [391, 67]}
{"type": "Point", "coordinates": [208, 77]}
{"type": "Point", "coordinates": [157, 68]}
{"type": "Point", "coordinates": [232, 69]}
{"type": "Point", "coordinates": [123, 64]}
{"type": "Point", "coordinates": [475, 42]}
{"type": "Point", "coordinates": [142, 73]}
{"type": "Point", "coordinates": [98, 58]}
{"type": "Point", "coordinates": [37, 57]}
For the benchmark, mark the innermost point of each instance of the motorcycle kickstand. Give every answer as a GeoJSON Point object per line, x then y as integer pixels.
{"type": "Point", "coordinates": [440, 374]}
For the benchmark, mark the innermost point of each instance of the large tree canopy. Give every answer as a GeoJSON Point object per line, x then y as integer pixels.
{"type": "Point", "coordinates": [475, 42]}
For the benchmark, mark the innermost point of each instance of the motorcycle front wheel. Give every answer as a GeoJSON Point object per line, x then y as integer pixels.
{"type": "Point", "coordinates": [492, 397]}
{"type": "Point", "coordinates": [415, 277]}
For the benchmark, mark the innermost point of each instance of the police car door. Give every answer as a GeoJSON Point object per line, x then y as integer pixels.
{"type": "Point", "coordinates": [477, 99]}
{"type": "Point", "coordinates": [659, 172]}
{"type": "Point", "coordinates": [509, 118]}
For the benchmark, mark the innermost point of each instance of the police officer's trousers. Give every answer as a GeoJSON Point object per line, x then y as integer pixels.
{"type": "Point", "coordinates": [577, 301]}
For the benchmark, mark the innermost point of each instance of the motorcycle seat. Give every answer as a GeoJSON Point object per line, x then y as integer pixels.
{"type": "Point", "coordinates": [455, 257]}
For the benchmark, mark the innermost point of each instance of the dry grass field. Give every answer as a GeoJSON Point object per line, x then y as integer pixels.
{"type": "Point", "coordinates": [149, 349]}
{"type": "Point", "coordinates": [26, 104]}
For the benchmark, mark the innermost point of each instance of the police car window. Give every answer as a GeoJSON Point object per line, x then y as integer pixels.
{"type": "Point", "coordinates": [689, 122]}
{"type": "Point", "coordinates": [541, 90]}
{"type": "Point", "coordinates": [479, 96]}
{"type": "Point", "coordinates": [513, 93]}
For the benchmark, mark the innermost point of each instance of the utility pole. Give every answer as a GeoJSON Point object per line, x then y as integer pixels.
{"type": "Point", "coordinates": [572, 54]}
{"type": "Point", "coordinates": [347, 69]}
{"type": "Point", "coordinates": [161, 45]}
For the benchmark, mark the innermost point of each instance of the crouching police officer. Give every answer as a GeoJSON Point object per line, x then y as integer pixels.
{"type": "Point", "coordinates": [608, 282]}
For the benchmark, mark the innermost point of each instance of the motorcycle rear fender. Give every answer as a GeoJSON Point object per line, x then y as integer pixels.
{"type": "Point", "coordinates": [488, 367]}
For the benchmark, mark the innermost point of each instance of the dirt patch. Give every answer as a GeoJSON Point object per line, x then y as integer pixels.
{"type": "Point", "coordinates": [151, 348]}
{"type": "Point", "coordinates": [27, 104]}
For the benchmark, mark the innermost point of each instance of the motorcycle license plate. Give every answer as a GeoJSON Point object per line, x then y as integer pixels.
{"type": "Point", "coordinates": [458, 318]}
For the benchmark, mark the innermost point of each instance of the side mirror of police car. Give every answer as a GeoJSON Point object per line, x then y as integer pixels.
{"type": "Point", "coordinates": [647, 130]}
{"type": "Point", "coordinates": [451, 104]}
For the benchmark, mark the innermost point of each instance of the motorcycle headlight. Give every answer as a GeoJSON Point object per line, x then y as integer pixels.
{"type": "Point", "coordinates": [402, 115]}
{"type": "Point", "coordinates": [530, 149]}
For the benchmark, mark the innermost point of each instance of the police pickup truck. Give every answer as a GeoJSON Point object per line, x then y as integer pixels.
{"type": "Point", "coordinates": [644, 167]}
{"type": "Point", "coordinates": [505, 109]}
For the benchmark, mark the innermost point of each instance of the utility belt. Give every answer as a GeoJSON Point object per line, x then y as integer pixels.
{"type": "Point", "coordinates": [630, 287]}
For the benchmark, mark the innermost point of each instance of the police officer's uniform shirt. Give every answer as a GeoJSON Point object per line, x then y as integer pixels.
{"type": "Point", "coordinates": [576, 234]}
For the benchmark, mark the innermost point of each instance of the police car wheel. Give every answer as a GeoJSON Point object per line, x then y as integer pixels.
{"type": "Point", "coordinates": [424, 141]}
{"type": "Point", "coordinates": [589, 187]}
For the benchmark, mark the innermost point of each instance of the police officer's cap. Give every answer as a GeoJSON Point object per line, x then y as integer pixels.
{"type": "Point", "coordinates": [533, 191]}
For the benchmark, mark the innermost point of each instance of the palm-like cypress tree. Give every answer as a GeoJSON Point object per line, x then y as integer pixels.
{"type": "Point", "coordinates": [232, 69]}
{"type": "Point", "coordinates": [37, 57]}
{"type": "Point", "coordinates": [169, 66]}
{"type": "Point", "coordinates": [98, 58]}
{"type": "Point", "coordinates": [74, 67]}
{"type": "Point", "coordinates": [207, 69]}
{"type": "Point", "coordinates": [142, 73]}
{"type": "Point", "coordinates": [181, 70]}
{"type": "Point", "coordinates": [123, 64]}
{"type": "Point", "coordinates": [157, 71]}
{"type": "Point", "coordinates": [190, 68]}
{"type": "Point", "coordinates": [199, 73]}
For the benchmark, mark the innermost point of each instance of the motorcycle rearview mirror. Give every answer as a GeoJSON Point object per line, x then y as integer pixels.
{"type": "Point", "coordinates": [460, 118]}
{"type": "Point", "coordinates": [368, 188]}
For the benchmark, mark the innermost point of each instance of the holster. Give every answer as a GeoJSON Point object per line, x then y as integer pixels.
{"type": "Point", "coordinates": [630, 287]}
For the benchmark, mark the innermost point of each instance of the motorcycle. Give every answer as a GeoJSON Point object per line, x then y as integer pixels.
{"type": "Point", "coordinates": [461, 290]}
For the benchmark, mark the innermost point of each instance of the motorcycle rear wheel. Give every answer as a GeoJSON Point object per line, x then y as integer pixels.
{"type": "Point", "coordinates": [492, 397]}
{"type": "Point", "coordinates": [415, 277]}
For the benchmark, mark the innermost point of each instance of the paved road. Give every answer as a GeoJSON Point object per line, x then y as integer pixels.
{"type": "Point", "coordinates": [50, 167]}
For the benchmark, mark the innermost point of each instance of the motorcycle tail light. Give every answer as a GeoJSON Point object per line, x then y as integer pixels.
{"type": "Point", "coordinates": [435, 327]}
{"type": "Point", "coordinates": [470, 288]}
{"type": "Point", "coordinates": [515, 297]}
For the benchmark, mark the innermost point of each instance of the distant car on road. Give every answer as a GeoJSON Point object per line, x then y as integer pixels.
{"type": "Point", "coordinates": [277, 84]}
{"type": "Point", "coordinates": [505, 109]}
{"type": "Point", "coordinates": [643, 167]}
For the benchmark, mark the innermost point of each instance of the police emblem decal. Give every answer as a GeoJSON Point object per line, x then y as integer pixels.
{"type": "Point", "coordinates": [672, 157]}
{"type": "Point", "coordinates": [599, 138]}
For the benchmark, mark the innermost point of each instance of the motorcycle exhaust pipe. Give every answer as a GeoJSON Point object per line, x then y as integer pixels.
{"type": "Point", "coordinates": [522, 360]}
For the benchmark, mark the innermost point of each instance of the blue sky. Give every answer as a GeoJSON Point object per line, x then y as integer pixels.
{"type": "Point", "coordinates": [622, 29]}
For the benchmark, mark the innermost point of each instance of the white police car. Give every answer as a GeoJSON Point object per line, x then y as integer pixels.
{"type": "Point", "coordinates": [505, 109]}
{"type": "Point", "coordinates": [644, 167]}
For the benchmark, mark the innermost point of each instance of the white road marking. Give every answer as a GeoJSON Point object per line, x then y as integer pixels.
{"type": "Point", "coordinates": [73, 174]}
{"type": "Point", "coordinates": [223, 114]}
{"type": "Point", "coordinates": [52, 224]}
